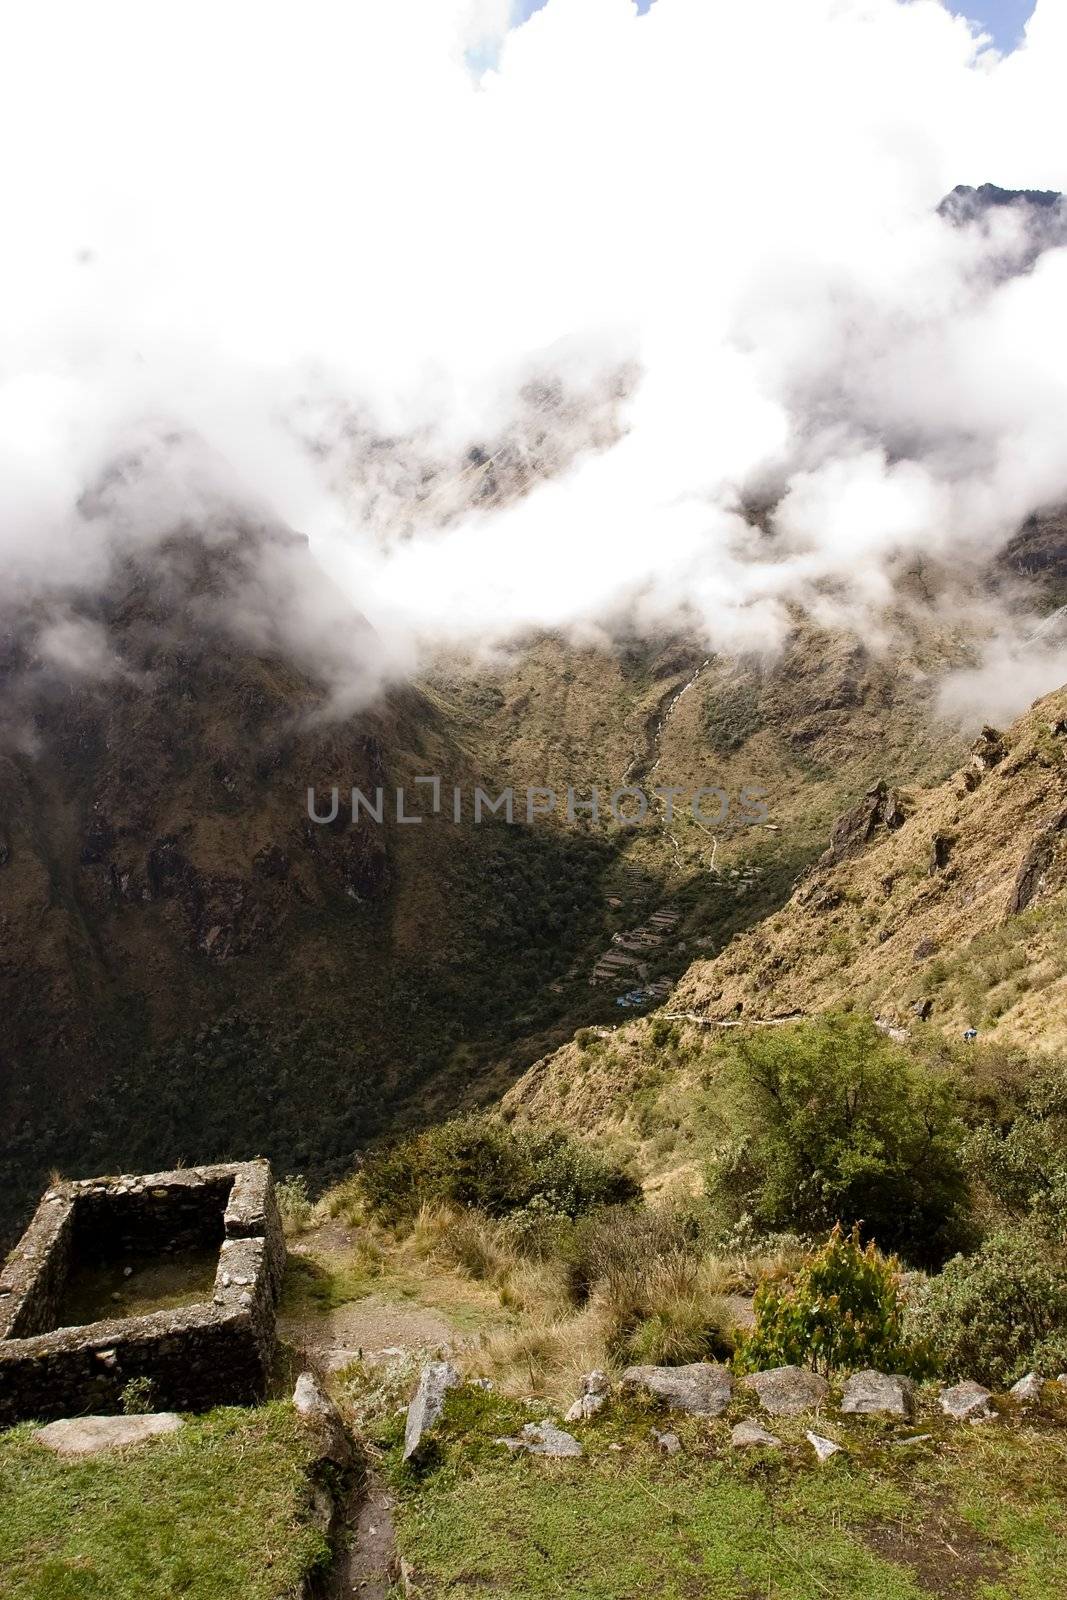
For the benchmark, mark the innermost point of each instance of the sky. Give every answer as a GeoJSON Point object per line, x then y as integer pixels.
{"type": "Point", "coordinates": [672, 264]}
{"type": "Point", "coordinates": [1003, 19]}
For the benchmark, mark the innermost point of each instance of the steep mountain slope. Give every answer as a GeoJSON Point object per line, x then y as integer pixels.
{"type": "Point", "coordinates": [952, 899]}
{"type": "Point", "coordinates": [935, 910]}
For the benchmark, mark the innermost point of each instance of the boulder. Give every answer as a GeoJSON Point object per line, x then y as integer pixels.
{"type": "Point", "coordinates": [878, 1394]}
{"type": "Point", "coordinates": [1029, 1388]}
{"type": "Point", "coordinates": [824, 1448]}
{"type": "Point", "coordinates": [85, 1436]}
{"type": "Point", "coordinates": [750, 1436]}
{"type": "Point", "coordinates": [314, 1406]}
{"type": "Point", "coordinates": [787, 1391]}
{"type": "Point", "coordinates": [668, 1444]}
{"type": "Point", "coordinates": [966, 1402]}
{"type": "Point", "coordinates": [703, 1389]}
{"type": "Point", "coordinates": [436, 1379]}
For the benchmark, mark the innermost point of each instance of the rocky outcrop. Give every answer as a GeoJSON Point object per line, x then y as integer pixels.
{"type": "Point", "coordinates": [704, 1389]}
{"type": "Point", "coordinates": [1032, 1387]}
{"type": "Point", "coordinates": [940, 850]}
{"type": "Point", "coordinates": [876, 1394]}
{"type": "Point", "coordinates": [787, 1391]}
{"type": "Point", "coordinates": [1035, 864]}
{"type": "Point", "coordinates": [987, 751]}
{"type": "Point", "coordinates": [853, 831]}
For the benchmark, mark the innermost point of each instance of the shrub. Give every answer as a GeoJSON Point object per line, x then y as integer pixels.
{"type": "Point", "coordinates": [480, 1161]}
{"type": "Point", "coordinates": [839, 1125]}
{"type": "Point", "coordinates": [138, 1397]}
{"type": "Point", "coordinates": [294, 1204]}
{"type": "Point", "coordinates": [998, 1313]}
{"type": "Point", "coordinates": [842, 1311]}
{"type": "Point", "coordinates": [1020, 1162]}
{"type": "Point", "coordinates": [650, 1283]}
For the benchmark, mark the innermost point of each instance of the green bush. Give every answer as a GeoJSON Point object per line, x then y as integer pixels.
{"type": "Point", "coordinates": [831, 1122]}
{"type": "Point", "coordinates": [138, 1397]}
{"type": "Point", "coordinates": [500, 1169]}
{"type": "Point", "coordinates": [843, 1311]}
{"type": "Point", "coordinates": [999, 1313]}
{"type": "Point", "coordinates": [1019, 1161]}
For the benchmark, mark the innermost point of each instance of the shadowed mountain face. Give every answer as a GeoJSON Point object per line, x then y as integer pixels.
{"type": "Point", "coordinates": [189, 965]}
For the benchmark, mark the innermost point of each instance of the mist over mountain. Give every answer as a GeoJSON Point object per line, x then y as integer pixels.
{"type": "Point", "coordinates": [561, 420]}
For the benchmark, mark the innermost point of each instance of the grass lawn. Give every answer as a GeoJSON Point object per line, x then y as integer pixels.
{"type": "Point", "coordinates": [218, 1511]}
{"type": "Point", "coordinates": [978, 1512]}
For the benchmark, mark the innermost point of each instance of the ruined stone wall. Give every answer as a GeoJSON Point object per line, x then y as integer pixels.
{"type": "Point", "coordinates": [32, 1282]}
{"type": "Point", "coordinates": [150, 1215]}
{"type": "Point", "coordinates": [218, 1352]}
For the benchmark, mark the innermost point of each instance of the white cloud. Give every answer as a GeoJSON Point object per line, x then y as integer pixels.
{"type": "Point", "coordinates": [247, 223]}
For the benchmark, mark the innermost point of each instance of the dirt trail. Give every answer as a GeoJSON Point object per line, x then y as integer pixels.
{"type": "Point", "coordinates": [368, 1569]}
{"type": "Point", "coordinates": [374, 1327]}
{"type": "Point", "coordinates": [371, 1329]}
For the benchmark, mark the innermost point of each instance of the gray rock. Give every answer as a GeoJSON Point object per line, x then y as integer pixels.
{"type": "Point", "coordinates": [1029, 1388]}
{"type": "Point", "coordinates": [586, 1405]}
{"type": "Point", "coordinates": [787, 1391]}
{"type": "Point", "coordinates": [967, 1402]}
{"type": "Point", "coordinates": [704, 1389]}
{"type": "Point", "coordinates": [1062, 1380]}
{"type": "Point", "coordinates": [824, 1448]}
{"type": "Point", "coordinates": [873, 1393]}
{"type": "Point", "coordinates": [436, 1379]}
{"type": "Point", "coordinates": [750, 1436]}
{"type": "Point", "coordinates": [314, 1406]}
{"type": "Point", "coordinates": [85, 1436]}
{"type": "Point", "coordinates": [668, 1444]}
{"type": "Point", "coordinates": [592, 1399]}
{"type": "Point", "coordinates": [545, 1439]}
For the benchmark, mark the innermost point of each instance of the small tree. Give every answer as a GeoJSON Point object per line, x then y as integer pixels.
{"type": "Point", "coordinates": [842, 1311]}
{"type": "Point", "coordinates": [831, 1122]}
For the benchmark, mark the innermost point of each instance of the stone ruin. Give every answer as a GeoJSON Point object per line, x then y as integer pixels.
{"type": "Point", "coordinates": [217, 1351]}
